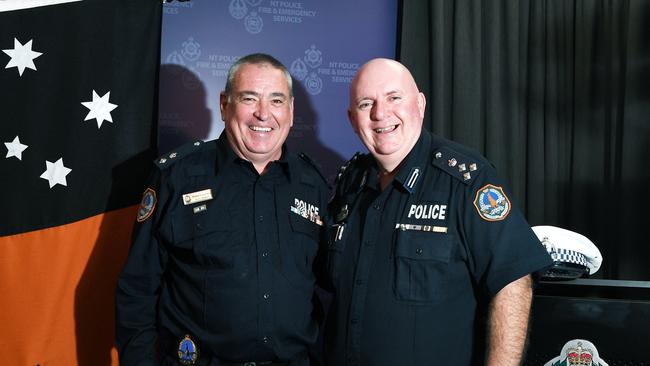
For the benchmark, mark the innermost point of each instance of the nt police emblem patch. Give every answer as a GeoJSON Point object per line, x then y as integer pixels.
{"type": "Point", "coordinates": [147, 205]}
{"type": "Point", "coordinates": [492, 203]}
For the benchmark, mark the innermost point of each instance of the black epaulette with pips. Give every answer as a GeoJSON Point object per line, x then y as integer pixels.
{"type": "Point", "coordinates": [166, 160]}
{"type": "Point", "coordinates": [456, 164]}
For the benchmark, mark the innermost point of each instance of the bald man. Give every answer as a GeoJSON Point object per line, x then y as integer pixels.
{"type": "Point", "coordinates": [429, 260]}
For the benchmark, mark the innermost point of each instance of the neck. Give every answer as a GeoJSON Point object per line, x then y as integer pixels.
{"type": "Point", "coordinates": [386, 176]}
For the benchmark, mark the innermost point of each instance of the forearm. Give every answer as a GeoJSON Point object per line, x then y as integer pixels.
{"type": "Point", "coordinates": [508, 323]}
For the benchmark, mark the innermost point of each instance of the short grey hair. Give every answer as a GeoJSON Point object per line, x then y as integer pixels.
{"type": "Point", "coordinates": [257, 59]}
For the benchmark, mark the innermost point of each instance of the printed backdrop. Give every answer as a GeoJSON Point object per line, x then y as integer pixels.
{"type": "Point", "coordinates": [322, 43]}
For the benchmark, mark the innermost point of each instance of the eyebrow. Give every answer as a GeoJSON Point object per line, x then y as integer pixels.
{"type": "Point", "coordinates": [395, 91]}
{"type": "Point", "coordinates": [256, 94]}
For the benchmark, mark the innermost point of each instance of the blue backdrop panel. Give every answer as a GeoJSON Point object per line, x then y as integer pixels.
{"type": "Point", "coordinates": [322, 43]}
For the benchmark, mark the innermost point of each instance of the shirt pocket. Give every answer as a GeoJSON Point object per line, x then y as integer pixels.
{"type": "Point", "coordinates": [421, 265]}
{"type": "Point", "coordinates": [202, 239]}
{"type": "Point", "coordinates": [304, 242]}
{"type": "Point", "coordinates": [336, 239]}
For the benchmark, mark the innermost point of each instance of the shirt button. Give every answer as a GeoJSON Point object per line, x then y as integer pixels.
{"type": "Point", "coordinates": [265, 339]}
{"type": "Point", "coordinates": [377, 207]}
{"type": "Point", "coordinates": [418, 250]}
{"type": "Point", "coordinates": [260, 218]}
{"type": "Point", "coordinates": [265, 254]}
{"type": "Point", "coordinates": [266, 296]}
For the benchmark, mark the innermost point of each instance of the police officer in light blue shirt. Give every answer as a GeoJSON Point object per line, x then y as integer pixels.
{"type": "Point", "coordinates": [429, 260]}
{"type": "Point", "coordinates": [220, 271]}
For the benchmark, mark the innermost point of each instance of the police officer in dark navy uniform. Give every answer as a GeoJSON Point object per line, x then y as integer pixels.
{"type": "Point", "coordinates": [221, 267]}
{"type": "Point", "coordinates": [423, 236]}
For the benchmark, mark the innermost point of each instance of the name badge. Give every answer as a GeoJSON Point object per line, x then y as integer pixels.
{"type": "Point", "coordinates": [198, 196]}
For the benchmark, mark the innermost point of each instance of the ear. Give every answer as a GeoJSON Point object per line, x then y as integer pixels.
{"type": "Point", "coordinates": [291, 112]}
{"type": "Point", "coordinates": [223, 104]}
{"type": "Point", "coordinates": [422, 103]}
{"type": "Point", "coordinates": [353, 121]}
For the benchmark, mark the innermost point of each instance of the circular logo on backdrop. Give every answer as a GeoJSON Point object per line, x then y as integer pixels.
{"type": "Point", "coordinates": [175, 58]}
{"type": "Point", "coordinates": [492, 203]}
{"type": "Point", "coordinates": [253, 23]}
{"type": "Point", "coordinates": [191, 49]}
{"type": "Point", "coordinates": [237, 9]}
{"type": "Point", "coordinates": [254, 2]}
{"type": "Point", "coordinates": [314, 84]}
{"type": "Point", "coordinates": [313, 57]}
{"type": "Point", "coordinates": [299, 69]}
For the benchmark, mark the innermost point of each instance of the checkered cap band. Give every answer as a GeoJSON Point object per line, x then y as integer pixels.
{"type": "Point", "coordinates": [568, 256]}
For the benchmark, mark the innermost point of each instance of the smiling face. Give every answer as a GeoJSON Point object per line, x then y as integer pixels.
{"type": "Point", "coordinates": [386, 110]}
{"type": "Point", "coordinates": [258, 113]}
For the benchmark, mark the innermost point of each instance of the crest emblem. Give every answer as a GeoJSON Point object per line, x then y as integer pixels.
{"type": "Point", "coordinates": [578, 352]}
{"type": "Point", "coordinates": [254, 2]}
{"type": "Point", "coordinates": [253, 23]}
{"type": "Point", "coordinates": [314, 84]}
{"type": "Point", "coordinates": [187, 351]}
{"type": "Point", "coordinates": [237, 9]}
{"type": "Point", "coordinates": [492, 203]}
{"type": "Point", "coordinates": [313, 57]}
{"type": "Point", "coordinates": [147, 205]}
{"type": "Point", "coordinates": [175, 58]}
{"type": "Point", "coordinates": [191, 49]}
{"type": "Point", "coordinates": [299, 69]}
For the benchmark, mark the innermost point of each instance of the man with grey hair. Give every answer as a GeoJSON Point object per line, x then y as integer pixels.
{"type": "Point", "coordinates": [220, 269]}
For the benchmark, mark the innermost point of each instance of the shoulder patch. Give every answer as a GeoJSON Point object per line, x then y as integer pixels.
{"type": "Point", "coordinates": [168, 159]}
{"type": "Point", "coordinates": [147, 205]}
{"type": "Point", "coordinates": [455, 164]}
{"type": "Point", "coordinates": [307, 159]}
{"type": "Point", "coordinates": [491, 203]}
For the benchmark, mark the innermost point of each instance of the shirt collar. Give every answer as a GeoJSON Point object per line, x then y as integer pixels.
{"type": "Point", "coordinates": [226, 155]}
{"type": "Point", "coordinates": [413, 167]}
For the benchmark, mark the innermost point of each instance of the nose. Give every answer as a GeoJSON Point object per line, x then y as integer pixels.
{"type": "Point", "coordinates": [262, 111]}
{"type": "Point", "coordinates": [378, 111]}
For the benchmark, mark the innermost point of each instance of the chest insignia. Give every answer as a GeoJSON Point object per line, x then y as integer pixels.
{"type": "Point", "coordinates": [427, 212]}
{"type": "Point", "coordinates": [307, 211]}
{"type": "Point", "coordinates": [198, 196]}
{"type": "Point", "coordinates": [491, 203]}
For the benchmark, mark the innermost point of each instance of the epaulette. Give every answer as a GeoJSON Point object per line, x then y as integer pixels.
{"type": "Point", "coordinates": [311, 162]}
{"type": "Point", "coordinates": [345, 166]}
{"type": "Point", "coordinates": [456, 164]}
{"type": "Point", "coordinates": [167, 160]}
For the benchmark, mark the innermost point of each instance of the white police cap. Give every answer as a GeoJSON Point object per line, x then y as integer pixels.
{"type": "Point", "coordinates": [573, 254]}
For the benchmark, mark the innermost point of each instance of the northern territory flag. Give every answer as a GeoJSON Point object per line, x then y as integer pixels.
{"type": "Point", "coordinates": [77, 135]}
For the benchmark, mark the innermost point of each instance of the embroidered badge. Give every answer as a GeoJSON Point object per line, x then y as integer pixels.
{"type": "Point", "coordinates": [577, 352]}
{"type": "Point", "coordinates": [307, 211]}
{"type": "Point", "coordinates": [147, 205]}
{"type": "Point", "coordinates": [187, 351]}
{"type": "Point", "coordinates": [491, 203]}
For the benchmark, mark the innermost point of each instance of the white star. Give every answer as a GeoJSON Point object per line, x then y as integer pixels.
{"type": "Point", "coordinates": [100, 108]}
{"type": "Point", "coordinates": [22, 56]}
{"type": "Point", "coordinates": [55, 173]}
{"type": "Point", "coordinates": [15, 148]}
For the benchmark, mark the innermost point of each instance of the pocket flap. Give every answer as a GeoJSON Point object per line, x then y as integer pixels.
{"type": "Point", "coordinates": [423, 245]}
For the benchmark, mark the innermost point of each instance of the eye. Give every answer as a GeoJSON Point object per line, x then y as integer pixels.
{"type": "Point", "coordinates": [277, 102]}
{"type": "Point", "coordinates": [394, 98]}
{"type": "Point", "coordinates": [366, 104]}
{"type": "Point", "coordinates": [247, 99]}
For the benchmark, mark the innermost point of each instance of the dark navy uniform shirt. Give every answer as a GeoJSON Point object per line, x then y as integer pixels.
{"type": "Point", "coordinates": [224, 255]}
{"type": "Point", "coordinates": [411, 265]}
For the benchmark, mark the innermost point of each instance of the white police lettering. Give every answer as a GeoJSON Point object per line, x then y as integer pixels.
{"type": "Point", "coordinates": [428, 211]}
{"type": "Point", "coordinates": [305, 209]}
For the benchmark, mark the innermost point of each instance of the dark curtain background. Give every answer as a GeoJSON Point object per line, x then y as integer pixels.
{"type": "Point", "coordinates": [556, 94]}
